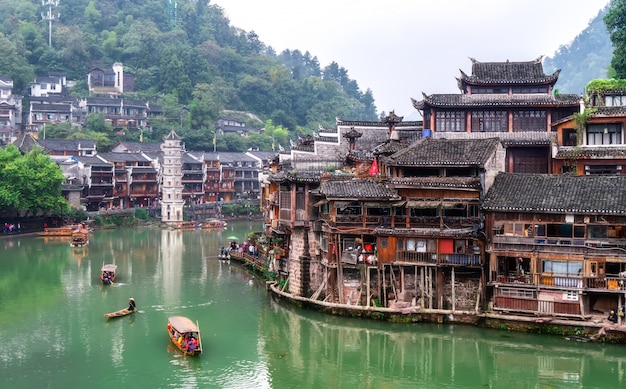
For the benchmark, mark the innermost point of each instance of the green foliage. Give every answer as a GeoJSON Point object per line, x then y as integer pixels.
{"type": "Point", "coordinates": [615, 20]}
{"type": "Point", "coordinates": [30, 184]}
{"type": "Point", "coordinates": [580, 120]}
{"type": "Point", "coordinates": [601, 85]}
{"type": "Point", "coordinates": [191, 55]}
{"type": "Point", "coordinates": [141, 213]}
{"type": "Point", "coordinates": [77, 214]}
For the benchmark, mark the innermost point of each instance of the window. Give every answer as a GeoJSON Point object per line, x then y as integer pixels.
{"type": "Point", "coordinates": [563, 268]}
{"type": "Point", "coordinates": [615, 101]}
{"type": "Point", "coordinates": [530, 89]}
{"type": "Point", "coordinates": [489, 121]}
{"type": "Point", "coordinates": [452, 121]}
{"type": "Point", "coordinates": [344, 208]}
{"type": "Point", "coordinates": [570, 295]}
{"type": "Point", "coordinates": [604, 134]}
{"type": "Point", "coordinates": [517, 292]}
{"type": "Point", "coordinates": [602, 169]}
{"type": "Point", "coordinates": [530, 121]}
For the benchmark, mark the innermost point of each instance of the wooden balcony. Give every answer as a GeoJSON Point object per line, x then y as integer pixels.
{"type": "Point", "coordinates": [560, 282]}
{"type": "Point", "coordinates": [583, 247]}
{"type": "Point", "coordinates": [439, 259]}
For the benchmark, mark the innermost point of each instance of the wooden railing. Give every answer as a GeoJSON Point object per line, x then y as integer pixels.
{"type": "Point", "coordinates": [606, 247]}
{"type": "Point", "coordinates": [570, 282]}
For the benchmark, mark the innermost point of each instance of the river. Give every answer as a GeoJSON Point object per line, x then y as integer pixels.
{"type": "Point", "coordinates": [54, 334]}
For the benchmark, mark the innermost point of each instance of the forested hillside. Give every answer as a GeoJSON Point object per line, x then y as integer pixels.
{"type": "Point", "coordinates": [586, 58]}
{"type": "Point", "coordinates": [185, 55]}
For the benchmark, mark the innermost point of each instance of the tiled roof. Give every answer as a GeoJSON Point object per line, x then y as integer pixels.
{"type": "Point", "coordinates": [123, 157]}
{"type": "Point", "coordinates": [522, 138]}
{"type": "Point", "coordinates": [618, 152]}
{"type": "Point", "coordinates": [51, 107]}
{"type": "Point", "coordinates": [93, 161]}
{"type": "Point", "coordinates": [189, 158]}
{"type": "Point", "coordinates": [490, 73]}
{"type": "Point", "coordinates": [296, 176]}
{"type": "Point", "coordinates": [390, 147]}
{"type": "Point", "coordinates": [609, 111]}
{"type": "Point", "coordinates": [563, 193]}
{"type": "Point", "coordinates": [436, 182]}
{"type": "Point", "coordinates": [67, 145]}
{"type": "Point", "coordinates": [536, 100]}
{"type": "Point", "coordinates": [357, 189]}
{"type": "Point", "coordinates": [445, 152]}
{"type": "Point", "coordinates": [232, 157]}
{"type": "Point", "coordinates": [133, 146]}
{"type": "Point", "coordinates": [364, 123]}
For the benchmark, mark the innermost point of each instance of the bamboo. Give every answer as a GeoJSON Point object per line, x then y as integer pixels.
{"type": "Point", "coordinates": [199, 337]}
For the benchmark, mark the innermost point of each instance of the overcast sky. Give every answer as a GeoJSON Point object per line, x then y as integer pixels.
{"type": "Point", "coordinates": [401, 48]}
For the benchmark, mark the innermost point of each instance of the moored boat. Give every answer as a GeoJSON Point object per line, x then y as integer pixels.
{"type": "Point", "coordinates": [185, 334]}
{"type": "Point", "coordinates": [213, 224]}
{"type": "Point", "coordinates": [108, 273]}
{"type": "Point", "coordinates": [65, 231]}
{"type": "Point", "coordinates": [80, 238]}
{"type": "Point", "coordinates": [123, 312]}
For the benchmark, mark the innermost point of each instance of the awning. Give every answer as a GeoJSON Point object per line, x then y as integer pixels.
{"type": "Point", "coordinates": [321, 202]}
{"type": "Point", "coordinates": [451, 205]}
{"type": "Point", "coordinates": [377, 205]}
{"type": "Point", "coordinates": [422, 204]}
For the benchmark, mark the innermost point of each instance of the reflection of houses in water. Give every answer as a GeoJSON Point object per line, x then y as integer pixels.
{"type": "Point", "coordinates": [454, 356]}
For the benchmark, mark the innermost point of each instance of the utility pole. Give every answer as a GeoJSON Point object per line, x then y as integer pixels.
{"type": "Point", "coordinates": [50, 17]}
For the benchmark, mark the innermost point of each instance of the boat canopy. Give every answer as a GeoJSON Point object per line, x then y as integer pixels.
{"type": "Point", "coordinates": [111, 268]}
{"type": "Point", "coordinates": [183, 324]}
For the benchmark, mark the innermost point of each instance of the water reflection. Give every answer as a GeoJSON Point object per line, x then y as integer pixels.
{"type": "Point", "coordinates": [372, 354]}
{"type": "Point", "coordinates": [54, 334]}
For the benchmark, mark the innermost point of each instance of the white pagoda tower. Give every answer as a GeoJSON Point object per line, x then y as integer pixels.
{"type": "Point", "coordinates": [172, 180]}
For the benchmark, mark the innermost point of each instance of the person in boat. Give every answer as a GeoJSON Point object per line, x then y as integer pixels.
{"type": "Point", "coordinates": [131, 304]}
{"type": "Point", "coordinates": [192, 344]}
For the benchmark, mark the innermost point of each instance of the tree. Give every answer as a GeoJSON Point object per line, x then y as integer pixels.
{"type": "Point", "coordinates": [30, 184]}
{"type": "Point", "coordinates": [615, 20]}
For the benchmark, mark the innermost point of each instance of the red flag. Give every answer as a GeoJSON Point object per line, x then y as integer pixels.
{"type": "Point", "coordinates": [374, 168]}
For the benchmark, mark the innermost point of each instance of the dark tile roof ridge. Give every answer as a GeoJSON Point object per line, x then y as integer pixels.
{"type": "Point", "coordinates": [367, 123]}
{"type": "Point", "coordinates": [357, 188]}
{"type": "Point", "coordinates": [618, 151]}
{"type": "Point", "coordinates": [558, 193]}
{"type": "Point", "coordinates": [526, 72]}
{"type": "Point", "coordinates": [502, 100]}
{"type": "Point", "coordinates": [438, 181]}
{"type": "Point", "coordinates": [441, 151]}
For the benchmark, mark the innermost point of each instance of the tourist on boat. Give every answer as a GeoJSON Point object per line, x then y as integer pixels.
{"type": "Point", "coordinates": [131, 304]}
{"type": "Point", "coordinates": [612, 317]}
{"type": "Point", "coordinates": [192, 344]}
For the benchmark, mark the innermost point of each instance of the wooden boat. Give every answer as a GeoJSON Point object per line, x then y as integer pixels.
{"type": "Point", "coordinates": [185, 335]}
{"type": "Point", "coordinates": [122, 312]}
{"type": "Point", "coordinates": [80, 238]}
{"type": "Point", "coordinates": [65, 231]}
{"type": "Point", "coordinates": [213, 224]}
{"type": "Point", "coordinates": [187, 225]}
{"type": "Point", "coordinates": [108, 273]}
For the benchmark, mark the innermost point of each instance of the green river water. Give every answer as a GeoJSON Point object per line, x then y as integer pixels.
{"type": "Point", "coordinates": [53, 334]}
